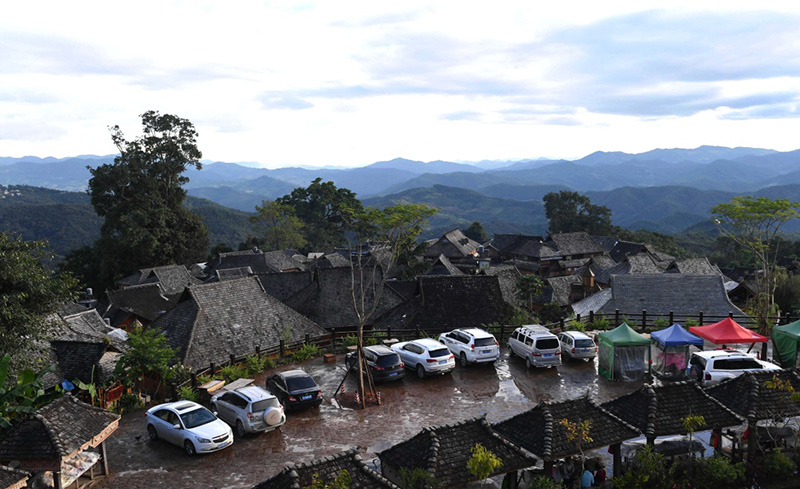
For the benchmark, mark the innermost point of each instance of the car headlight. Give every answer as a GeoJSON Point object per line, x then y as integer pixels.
{"type": "Point", "coordinates": [203, 440]}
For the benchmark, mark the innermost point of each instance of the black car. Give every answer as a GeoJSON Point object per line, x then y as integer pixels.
{"type": "Point", "coordinates": [384, 363]}
{"type": "Point", "coordinates": [295, 389]}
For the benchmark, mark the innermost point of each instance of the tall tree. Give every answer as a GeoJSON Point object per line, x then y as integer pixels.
{"type": "Point", "coordinates": [570, 212]}
{"type": "Point", "coordinates": [321, 207]}
{"type": "Point", "coordinates": [388, 234]}
{"type": "Point", "coordinates": [141, 197]}
{"type": "Point", "coordinates": [754, 223]}
{"type": "Point", "coordinates": [277, 225]}
{"type": "Point", "coordinates": [29, 293]}
{"type": "Point", "coordinates": [476, 232]}
{"type": "Point", "coordinates": [528, 286]}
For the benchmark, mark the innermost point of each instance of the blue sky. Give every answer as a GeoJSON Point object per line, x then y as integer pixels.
{"type": "Point", "coordinates": [350, 83]}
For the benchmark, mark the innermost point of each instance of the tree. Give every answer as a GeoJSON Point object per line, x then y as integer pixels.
{"type": "Point", "coordinates": [787, 291]}
{"type": "Point", "coordinates": [476, 232]}
{"type": "Point", "coordinates": [321, 207]}
{"type": "Point", "coordinates": [141, 197]}
{"type": "Point", "coordinates": [578, 433]}
{"type": "Point", "coordinates": [29, 293]}
{"type": "Point", "coordinates": [483, 462]}
{"type": "Point", "coordinates": [754, 223]}
{"type": "Point", "coordinates": [571, 212]}
{"type": "Point", "coordinates": [24, 395]}
{"type": "Point", "coordinates": [278, 225]}
{"type": "Point", "coordinates": [529, 285]}
{"type": "Point", "coordinates": [692, 423]}
{"type": "Point", "coordinates": [149, 354]}
{"type": "Point", "coordinates": [377, 239]}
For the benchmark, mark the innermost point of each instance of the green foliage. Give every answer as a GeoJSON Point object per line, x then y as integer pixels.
{"type": "Point", "coordinates": [370, 341]}
{"type": "Point", "coordinates": [24, 395]}
{"type": "Point", "coordinates": [717, 472]}
{"type": "Point", "coordinates": [177, 373]}
{"type": "Point", "coordinates": [343, 480]}
{"type": "Point", "coordinates": [483, 462]}
{"type": "Point", "coordinates": [521, 317]}
{"type": "Point", "coordinates": [278, 225]}
{"type": "Point", "coordinates": [647, 471]}
{"type": "Point", "coordinates": [476, 232]}
{"type": "Point", "coordinates": [188, 394]}
{"type": "Point", "coordinates": [661, 323]}
{"type": "Point", "coordinates": [350, 340]}
{"type": "Point", "coordinates": [255, 364]}
{"type": "Point", "coordinates": [306, 352]}
{"type": "Point", "coordinates": [417, 478]}
{"type": "Point", "coordinates": [630, 322]}
{"type": "Point", "coordinates": [600, 323]}
{"type": "Point", "coordinates": [148, 353]}
{"type": "Point", "coordinates": [129, 402]}
{"type": "Point", "coordinates": [569, 212]}
{"type": "Point", "coordinates": [779, 466]}
{"type": "Point", "coordinates": [29, 293]}
{"type": "Point", "coordinates": [90, 388]}
{"type": "Point", "coordinates": [528, 286]}
{"type": "Point", "coordinates": [230, 373]}
{"type": "Point", "coordinates": [576, 326]}
{"type": "Point", "coordinates": [551, 313]}
{"type": "Point", "coordinates": [787, 291]}
{"type": "Point", "coordinates": [141, 197]}
{"type": "Point", "coordinates": [542, 482]}
{"type": "Point", "coordinates": [691, 322]}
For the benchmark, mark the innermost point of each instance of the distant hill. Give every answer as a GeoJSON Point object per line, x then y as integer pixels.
{"type": "Point", "coordinates": [68, 221]}
{"type": "Point", "coordinates": [420, 167]}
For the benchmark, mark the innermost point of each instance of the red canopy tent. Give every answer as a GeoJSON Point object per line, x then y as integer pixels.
{"type": "Point", "coordinates": [727, 331]}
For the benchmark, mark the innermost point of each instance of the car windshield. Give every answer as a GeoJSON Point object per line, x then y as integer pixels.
{"type": "Point", "coordinates": [484, 342]}
{"type": "Point", "coordinates": [584, 343]}
{"type": "Point", "coordinates": [299, 383]}
{"type": "Point", "coordinates": [547, 343]}
{"type": "Point", "coordinates": [441, 352]}
{"type": "Point", "coordinates": [265, 404]}
{"type": "Point", "coordinates": [196, 418]}
{"type": "Point", "coordinates": [388, 360]}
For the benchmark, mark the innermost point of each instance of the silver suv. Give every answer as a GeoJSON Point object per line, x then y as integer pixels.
{"type": "Point", "coordinates": [249, 409]}
{"type": "Point", "coordinates": [471, 345]}
{"type": "Point", "coordinates": [711, 367]}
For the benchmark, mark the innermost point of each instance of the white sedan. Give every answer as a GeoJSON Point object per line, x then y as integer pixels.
{"type": "Point", "coordinates": [425, 356]}
{"type": "Point", "coordinates": [188, 425]}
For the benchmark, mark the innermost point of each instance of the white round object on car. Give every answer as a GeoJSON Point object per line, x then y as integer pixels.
{"type": "Point", "coordinates": [272, 416]}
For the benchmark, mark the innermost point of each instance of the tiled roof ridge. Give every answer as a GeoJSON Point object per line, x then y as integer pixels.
{"type": "Point", "coordinates": [364, 468]}
{"type": "Point", "coordinates": [503, 440]}
{"type": "Point", "coordinates": [595, 405]}
{"type": "Point", "coordinates": [140, 286]}
{"type": "Point", "coordinates": [754, 388]}
{"type": "Point", "coordinates": [652, 409]}
{"type": "Point", "coordinates": [51, 433]}
{"type": "Point", "coordinates": [547, 449]}
{"type": "Point", "coordinates": [433, 450]}
{"type": "Point", "coordinates": [711, 398]}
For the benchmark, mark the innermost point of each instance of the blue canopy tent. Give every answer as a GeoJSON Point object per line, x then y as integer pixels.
{"type": "Point", "coordinates": [671, 349]}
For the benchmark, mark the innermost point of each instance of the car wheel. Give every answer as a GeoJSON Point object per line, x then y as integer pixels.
{"type": "Point", "coordinates": [239, 429]}
{"type": "Point", "coordinates": [215, 410]}
{"type": "Point", "coordinates": [189, 447]}
{"type": "Point", "coordinates": [151, 430]}
{"type": "Point", "coordinates": [464, 362]}
{"type": "Point", "coordinates": [420, 371]}
{"type": "Point", "coordinates": [528, 362]}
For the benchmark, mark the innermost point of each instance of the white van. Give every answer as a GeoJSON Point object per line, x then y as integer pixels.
{"type": "Point", "coordinates": [537, 345]}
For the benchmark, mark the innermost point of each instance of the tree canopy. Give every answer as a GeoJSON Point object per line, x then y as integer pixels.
{"type": "Point", "coordinates": [476, 232]}
{"type": "Point", "coordinates": [569, 212]}
{"type": "Point", "coordinates": [29, 293]}
{"type": "Point", "coordinates": [321, 207]}
{"type": "Point", "coordinates": [141, 197]}
{"type": "Point", "coordinates": [277, 227]}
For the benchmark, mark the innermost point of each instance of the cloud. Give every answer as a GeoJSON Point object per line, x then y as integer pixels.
{"type": "Point", "coordinates": [279, 100]}
{"type": "Point", "coordinates": [462, 116]}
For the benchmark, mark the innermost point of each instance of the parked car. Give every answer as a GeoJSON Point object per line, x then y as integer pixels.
{"type": "Point", "coordinates": [188, 425]}
{"type": "Point", "coordinates": [714, 366]}
{"type": "Point", "coordinates": [537, 345]}
{"type": "Point", "coordinates": [471, 345]}
{"type": "Point", "coordinates": [577, 345]}
{"type": "Point", "coordinates": [249, 409]}
{"type": "Point", "coordinates": [383, 363]}
{"type": "Point", "coordinates": [426, 356]}
{"type": "Point", "coordinates": [295, 389]}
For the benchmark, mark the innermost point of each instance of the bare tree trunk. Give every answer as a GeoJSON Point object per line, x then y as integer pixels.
{"type": "Point", "coordinates": [361, 391]}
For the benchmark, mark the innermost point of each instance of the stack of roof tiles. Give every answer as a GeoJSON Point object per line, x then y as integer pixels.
{"type": "Point", "coordinates": [326, 470]}
{"type": "Point", "coordinates": [540, 431]}
{"type": "Point", "coordinates": [660, 410]}
{"type": "Point", "coordinates": [444, 451]}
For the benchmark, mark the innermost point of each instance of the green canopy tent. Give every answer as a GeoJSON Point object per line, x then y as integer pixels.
{"type": "Point", "coordinates": [623, 353]}
{"type": "Point", "coordinates": [785, 343]}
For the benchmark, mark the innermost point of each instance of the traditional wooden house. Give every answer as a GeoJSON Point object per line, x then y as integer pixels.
{"type": "Point", "coordinates": [455, 246]}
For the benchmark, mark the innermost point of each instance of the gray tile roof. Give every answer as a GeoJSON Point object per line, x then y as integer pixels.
{"type": "Point", "coordinates": [332, 260]}
{"type": "Point", "coordinates": [444, 450]}
{"type": "Point", "coordinates": [285, 284]}
{"type": "Point", "coordinates": [622, 249]}
{"type": "Point", "coordinates": [630, 265]}
{"type": "Point", "coordinates": [173, 278]}
{"type": "Point", "coordinates": [55, 430]}
{"type": "Point", "coordinates": [147, 301]}
{"type": "Point", "coordinates": [297, 476]}
{"type": "Point", "coordinates": [215, 320]}
{"type": "Point", "coordinates": [594, 302]}
{"type": "Point", "coordinates": [661, 293]}
{"type": "Point", "coordinates": [693, 266]}
{"type": "Point", "coordinates": [659, 410]}
{"type": "Point", "coordinates": [558, 290]}
{"type": "Point", "coordinates": [579, 243]}
{"type": "Point", "coordinates": [79, 360]}
{"type": "Point", "coordinates": [540, 431]}
{"type": "Point", "coordinates": [230, 274]}
{"type": "Point", "coordinates": [12, 478]}
{"type": "Point", "coordinates": [530, 248]}
{"type": "Point", "coordinates": [258, 261]}
{"type": "Point", "coordinates": [443, 266]}
{"type": "Point", "coordinates": [748, 395]}
{"type": "Point", "coordinates": [507, 275]}
{"type": "Point", "coordinates": [606, 242]}
{"type": "Point", "coordinates": [452, 244]}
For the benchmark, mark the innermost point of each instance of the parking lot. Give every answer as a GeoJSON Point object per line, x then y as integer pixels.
{"type": "Point", "coordinates": [499, 391]}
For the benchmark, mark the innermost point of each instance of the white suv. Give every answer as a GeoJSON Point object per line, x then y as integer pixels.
{"type": "Point", "coordinates": [426, 356]}
{"type": "Point", "coordinates": [575, 345]}
{"type": "Point", "coordinates": [249, 409]}
{"type": "Point", "coordinates": [711, 367]}
{"type": "Point", "coordinates": [471, 345]}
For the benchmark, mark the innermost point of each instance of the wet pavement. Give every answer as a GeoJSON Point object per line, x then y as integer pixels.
{"type": "Point", "coordinates": [498, 391]}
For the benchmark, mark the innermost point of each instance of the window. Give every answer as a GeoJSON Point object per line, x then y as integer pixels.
{"type": "Point", "coordinates": [515, 335]}
{"type": "Point", "coordinates": [546, 343]}
{"type": "Point", "coordinates": [172, 418]}
{"type": "Point", "coordinates": [162, 414]}
{"type": "Point", "coordinates": [264, 404]}
{"type": "Point", "coordinates": [196, 418]}
{"type": "Point", "coordinates": [529, 341]}
{"type": "Point", "coordinates": [441, 352]}
{"type": "Point", "coordinates": [298, 383]}
{"type": "Point", "coordinates": [584, 343]}
{"type": "Point", "coordinates": [485, 341]}
{"type": "Point", "coordinates": [237, 401]}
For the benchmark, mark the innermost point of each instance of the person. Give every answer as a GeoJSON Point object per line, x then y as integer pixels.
{"type": "Point", "coordinates": [569, 472]}
{"type": "Point", "coordinates": [587, 479]}
{"type": "Point", "coordinates": [600, 476]}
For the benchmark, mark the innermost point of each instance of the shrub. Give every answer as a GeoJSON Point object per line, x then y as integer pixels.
{"type": "Point", "coordinates": [343, 480]}
{"type": "Point", "coordinates": [230, 373]}
{"type": "Point", "coordinates": [255, 364]}
{"type": "Point", "coordinates": [177, 373]}
{"type": "Point", "coordinates": [542, 482]}
{"type": "Point", "coordinates": [521, 317]}
{"type": "Point", "coordinates": [630, 322]}
{"type": "Point", "coordinates": [483, 462]}
{"type": "Point", "coordinates": [576, 326]}
{"type": "Point", "coordinates": [304, 353]}
{"type": "Point", "coordinates": [717, 473]}
{"type": "Point", "coordinates": [371, 341]}
{"type": "Point", "coordinates": [778, 465]}
{"type": "Point", "coordinates": [417, 479]}
{"type": "Point", "coordinates": [551, 313]}
{"type": "Point", "coordinates": [188, 394]}
{"type": "Point", "coordinates": [601, 324]}
{"type": "Point", "coordinates": [129, 402]}
{"type": "Point", "coordinates": [691, 322]}
{"type": "Point", "coordinates": [350, 340]}
{"type": "Point", "coordinates": [661, 323]}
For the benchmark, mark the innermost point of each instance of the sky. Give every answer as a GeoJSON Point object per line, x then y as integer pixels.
{"type": "Point", "coordinates": [350, 83]}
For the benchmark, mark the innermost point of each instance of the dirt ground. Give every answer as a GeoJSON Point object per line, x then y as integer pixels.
{"type": "Point", "coordinates": [498, 391]}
